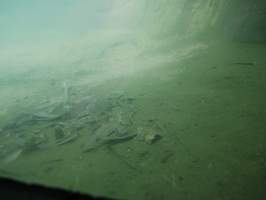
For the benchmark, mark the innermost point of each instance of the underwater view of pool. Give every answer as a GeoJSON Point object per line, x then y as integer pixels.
{"type": "Point", "coordinates": [135, 99]}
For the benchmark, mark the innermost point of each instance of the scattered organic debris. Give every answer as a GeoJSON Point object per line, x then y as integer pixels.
{"type": "Point", "coordinates": [106, 121]}
{"type": "Point", "coordinates": [100, 121]}
{"type": "Point", "coordinates": [115, 129]}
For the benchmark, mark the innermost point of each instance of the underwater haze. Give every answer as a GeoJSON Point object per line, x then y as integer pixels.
{"type": "Point", "coordinates": [135, 99]}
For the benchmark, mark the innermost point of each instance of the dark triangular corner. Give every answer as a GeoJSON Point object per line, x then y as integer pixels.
{"type": "Point", "coordinates": [16, 190]}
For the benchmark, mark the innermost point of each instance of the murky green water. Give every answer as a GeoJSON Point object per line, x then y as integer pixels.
{"type": "Point", "coordinates": [114, 113]}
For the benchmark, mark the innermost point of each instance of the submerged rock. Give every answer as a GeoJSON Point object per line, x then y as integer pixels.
{"type": "Point", "coordinates": [148, 135]}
